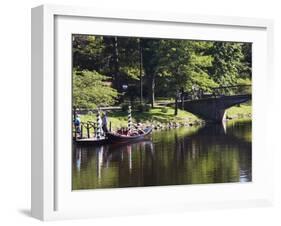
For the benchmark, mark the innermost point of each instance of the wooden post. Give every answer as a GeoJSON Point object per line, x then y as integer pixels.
{"type": "Point", "coordinates": [98, 133]}
{"type": "Point", "coordinates": [81, 131]}
{"type": "Point", "coordinates": [88, 130]}
{"type": "Point", "coordinates": [129, 118]}
{"type": "Point", "coordinates": [75, 132]}
{"type": "Point", "coordinates": [110, 126]}
{"type": "Point", "coordinates": [95, 129]}
{"type": "Point", "coordinates": [92, 124]}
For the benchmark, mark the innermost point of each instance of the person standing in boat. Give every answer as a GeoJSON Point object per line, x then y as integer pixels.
{"type": "Point", "coordinates": [104, 123]}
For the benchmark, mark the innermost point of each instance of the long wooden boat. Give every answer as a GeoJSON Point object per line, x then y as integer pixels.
{"type": "Point", "coordinates": [116, 137]}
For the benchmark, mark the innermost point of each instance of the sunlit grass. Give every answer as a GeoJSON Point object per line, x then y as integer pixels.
{"type": "Point", "coordinates": [158, 115]}
{"type": "Point", "coordinates": [242, 111]}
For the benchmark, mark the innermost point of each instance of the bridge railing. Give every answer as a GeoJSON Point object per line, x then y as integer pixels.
{"type": "Point", "coordinates": [232, 90]}
{"type": "Point", "coordinates": [216, 92]}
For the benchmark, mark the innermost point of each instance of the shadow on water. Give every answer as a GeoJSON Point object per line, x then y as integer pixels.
{"type": "Point", "coordinates": [210, 154]}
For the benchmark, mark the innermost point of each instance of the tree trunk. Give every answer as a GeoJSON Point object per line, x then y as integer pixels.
{"type": "Point", "coordinates": [140, 67]}
{"type": "Point", "coordinates": [182, 101]}
{"type": "Point", "coordinates": [152, 90]}
{"type": "Point", "coordinates": [116, 63]}
{"type": "Point", "coordinates": [182, 98]}
{"type": "Point", "coordinates": [176, 104]}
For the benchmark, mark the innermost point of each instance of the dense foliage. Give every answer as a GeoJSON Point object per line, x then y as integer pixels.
{"type": "Point", "coordinates": [90, 90]}
{"type": "Point", "coordinates": [106, 66]}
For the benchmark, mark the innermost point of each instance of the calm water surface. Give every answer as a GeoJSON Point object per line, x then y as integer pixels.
{"type": "Point", "coordinates": [194, 155]}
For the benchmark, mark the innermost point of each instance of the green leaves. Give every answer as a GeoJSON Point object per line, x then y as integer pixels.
{"type": "Point", "coordinates": [91, 90]}
{"type": "Point", "coordinates": [131, 72]}
{"type": "Point", "coordinates": [229, 62]}
{"type": "Point", "coordinates": [184, 64]}
{"type": "Point", "coordinates": [104, 63]}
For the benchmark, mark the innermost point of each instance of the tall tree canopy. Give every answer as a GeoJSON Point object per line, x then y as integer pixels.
{"type": "Point", "coordinates": [167, 67]}
{"type": "Point", "coordinates": [230, 62]}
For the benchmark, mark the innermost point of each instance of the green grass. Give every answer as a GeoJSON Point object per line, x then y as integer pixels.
{"type": "Point", "coordinates": [156, 115]}
{"type": "Point", "coordinates": [242, 111]}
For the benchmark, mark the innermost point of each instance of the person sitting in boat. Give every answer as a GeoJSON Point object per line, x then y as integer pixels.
{"type": "Point", "coordinates": [126, 131]}
{"type": "Point", "coordinates": [141, 131]}
{"type": "Point", "coordinates": [133, 133]}
{"type": "Point", "coordinates": [104, 123]}
{"type": "Point", "coordinates": [122, 131]}
{"type": "Point", "coordinates": [119, 131]}
{"type": "Point", "coordinates": [139, 128]}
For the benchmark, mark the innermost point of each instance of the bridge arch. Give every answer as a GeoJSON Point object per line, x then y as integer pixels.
{"type": "Point", "coordinates": [212, 106]}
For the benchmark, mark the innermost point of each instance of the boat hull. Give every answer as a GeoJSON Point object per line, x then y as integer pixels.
{"type": "Point", "coordinates": [113, 137]}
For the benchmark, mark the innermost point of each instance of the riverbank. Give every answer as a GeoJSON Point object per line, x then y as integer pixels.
{"type": "Point", "coordinates": [239, 112]}
{"type": "Point", "coordinates": [163, 117]}
{"type": "Point", "coordinates": [158, 116]}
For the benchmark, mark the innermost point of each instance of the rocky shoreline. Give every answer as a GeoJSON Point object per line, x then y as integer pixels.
{"type": "Point", "coordinates": [197, 122]}
{"type": "Point", "coordinates": [174, 125]}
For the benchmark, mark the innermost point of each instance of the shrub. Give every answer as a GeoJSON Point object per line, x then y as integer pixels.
{"type": "Point", "coordinates": [142, 107]}
{"type": "Point", "coordinates": [124, 107]}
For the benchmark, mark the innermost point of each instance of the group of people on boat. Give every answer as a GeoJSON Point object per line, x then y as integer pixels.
{"type": "Point", "coordinates": [136, 130]}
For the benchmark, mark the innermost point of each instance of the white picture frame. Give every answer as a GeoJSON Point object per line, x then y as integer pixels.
{"type": "Point", "coordinates": [52, 197]}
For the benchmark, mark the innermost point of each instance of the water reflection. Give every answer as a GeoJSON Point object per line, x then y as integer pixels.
{"type": "Point", "coordinates": [212, 154]}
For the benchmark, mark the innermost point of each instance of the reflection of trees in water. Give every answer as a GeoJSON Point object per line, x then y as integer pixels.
{"type": "Point", "coordinates": [133, 160]}
{"type": "Point", "coordinates": [206, 155]}
{"type": "Point", "coordinates": [100, 166]}
{"type": "Point", "coordinates": [240, 131]}
{"type": "Point", "coordinates": [222, 155]}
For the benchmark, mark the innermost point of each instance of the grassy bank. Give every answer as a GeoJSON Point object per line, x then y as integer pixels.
{"type": "Point", "coordinates": [164, 115]}
{"type": "Point", "coordinates": [156, 115]}
{"type": "Point", "coordinates": [242, 111]}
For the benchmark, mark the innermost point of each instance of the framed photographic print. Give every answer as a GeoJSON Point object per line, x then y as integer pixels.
{"type": "Point", "coordinates": [135, 112]}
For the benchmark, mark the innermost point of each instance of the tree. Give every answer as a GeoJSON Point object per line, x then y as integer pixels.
{"type": "Point", "coordinates": [151, 59]}
{"type": "Point", "coordinates": [88, 53]}
{"type": "Point", "coordinates": [183, 65]}
{"type": "Point", "coordinates": [168, 66]}
{"type": "Point", "coordinates": [246, 67]}
{"type": "Point", "coordinates": [91, 91]}
{"type": "Point", "coordinates": [228, 62]}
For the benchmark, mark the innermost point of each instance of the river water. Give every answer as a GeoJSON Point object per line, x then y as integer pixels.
{"type": "Point", "coordinates": [192, 155]}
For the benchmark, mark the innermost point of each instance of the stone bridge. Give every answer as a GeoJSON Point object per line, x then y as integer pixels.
{"type": "Point", "coordinates": [213, 109]}
{"type": "Point", "coordinates": [212, 106]}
